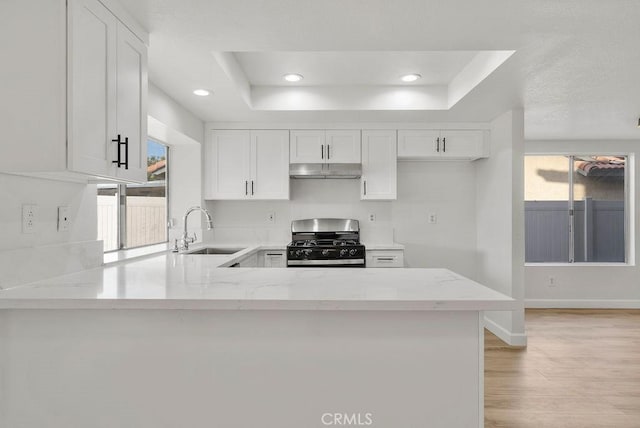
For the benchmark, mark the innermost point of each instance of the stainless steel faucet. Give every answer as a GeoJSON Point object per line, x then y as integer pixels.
{"type": "Point", "coordinates": [186, 239]}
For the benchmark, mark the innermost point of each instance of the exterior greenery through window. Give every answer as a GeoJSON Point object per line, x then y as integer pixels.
{"type": "Point", "coordinates": [135, 215]}
{"type": "Point", "coordinates": [576, 208]}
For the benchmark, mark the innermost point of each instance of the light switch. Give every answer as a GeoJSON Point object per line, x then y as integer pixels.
{"type": "Point", "coordinates": [64, 219]}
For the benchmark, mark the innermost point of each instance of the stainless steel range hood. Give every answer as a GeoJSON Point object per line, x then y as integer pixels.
{"type": "Point", "coordinates": [321, 170]}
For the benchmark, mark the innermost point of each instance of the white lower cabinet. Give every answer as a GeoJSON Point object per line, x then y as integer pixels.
{"type": "Point", "coordinates": [241, 164]}
{"type": "Point", "coordinates": [385, 258]}
{"type": "Point", "coordinates": [272, 258]}
{"type": "Point", "coordinates": [379, 165]}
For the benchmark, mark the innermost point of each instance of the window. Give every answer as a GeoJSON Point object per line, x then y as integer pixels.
{"type": "Point", "coordinates": [575, 209]}
{"type": "Point", "coordinates": [135, 215]}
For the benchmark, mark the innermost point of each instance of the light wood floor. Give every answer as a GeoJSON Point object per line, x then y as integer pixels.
{"type": "Point", "coordinates": [581, 369]}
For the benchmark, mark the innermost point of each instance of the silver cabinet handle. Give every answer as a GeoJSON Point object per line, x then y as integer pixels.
{"type": "Point", "coordinates": [444, 144]}
{"type": "Point", "coordinates": [246, 187]}
{"type": "Point", "coordinates": [365, 187]}
{"type": "Point", "coordinates": [328, 151]}
{"type": "Point", "coordinates": [438, 145]}
{"type": "Point", "coordinates": [385, 259]}
{"type": "Point", "coordinates": [252, 187]}
{"type": "Point", "coordinates": [322, 151]}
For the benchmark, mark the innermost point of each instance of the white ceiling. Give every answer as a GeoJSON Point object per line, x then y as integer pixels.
{"type": "Point", "coordinates": [352, 68]}
{"type": "Point", "coordinates": [576, 70]}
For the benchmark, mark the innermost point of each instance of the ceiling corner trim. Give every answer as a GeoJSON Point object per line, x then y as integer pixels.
{"type": "Point", "coordinates": [229, 64]}
{"type": "Point", "coordinates": [480, 67]}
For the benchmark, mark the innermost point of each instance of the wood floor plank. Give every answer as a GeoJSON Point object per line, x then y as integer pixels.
{"type": "Point", "coordinates": [581, 369]}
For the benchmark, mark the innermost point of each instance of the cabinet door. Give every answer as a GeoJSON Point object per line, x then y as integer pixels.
{"type": "Point", "coordinates": [343, 146]}
{"type": "Point", "coordinates": [379, 165]}
{"type": "Point", "coordinates": [418, 144]}
{"type": "Point", "coordinates": [464, 144]}
{"type": "Point", "coordinates": [273, 259]}
{"type": "Point", "coordinates": [307, 147]}
{"type": "Point", "coordinates": [227, 169]}
{"type": "Point", "coordinates": [131, 104]}
{"type": "Point", "coordinates": [92, 36]}
{"type": "Point", "coordinates": [269, 164]}
{"type": "Point", "coordinates": [385, 258]}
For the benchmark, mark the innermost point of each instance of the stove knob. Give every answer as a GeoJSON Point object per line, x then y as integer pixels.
{"type": "Point", "coordinates": [343, 252]}
{"type": "Point", "coordinates": [325, 252]}
{"type": "Point", "coordinates": [307, 252]}
{"type": "Point", "coordinates": [298, 253]}
{"type": "Point", "coordinates": [353, 252]}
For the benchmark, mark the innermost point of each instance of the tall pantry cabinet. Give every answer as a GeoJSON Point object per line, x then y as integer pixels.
{"type": "Point", "coordinates": [75, 93]}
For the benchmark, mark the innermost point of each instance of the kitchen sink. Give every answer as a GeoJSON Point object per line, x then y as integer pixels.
{"type": "Point", "coordinates": [214, 250]}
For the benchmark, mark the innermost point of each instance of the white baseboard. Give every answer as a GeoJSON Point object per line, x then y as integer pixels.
{"type": "Point", "coordinates": [511, 339]}
{"type": "Point", "coordinates": [582, 304]}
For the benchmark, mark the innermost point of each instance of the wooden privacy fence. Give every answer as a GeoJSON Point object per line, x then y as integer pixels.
{"type": "Point", "coordinates": [599, 231]}
{"type": "Point", "coordinates": [146, 221]}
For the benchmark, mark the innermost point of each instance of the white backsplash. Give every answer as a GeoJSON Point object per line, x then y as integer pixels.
{"type": "Point", "coordinates": [30, 264]}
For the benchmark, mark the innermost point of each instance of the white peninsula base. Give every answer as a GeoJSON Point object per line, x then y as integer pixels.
{"type": "Point", "coordinates": [246, 368]}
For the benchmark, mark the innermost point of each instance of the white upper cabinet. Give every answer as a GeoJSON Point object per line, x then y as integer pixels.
{"type": "Point", "coordinates": [307, 146]}
{"type": "Point", "coordinates": [89, 72]}
{"type": "Point", "coordinates": [227, 165]}
{"type": "Point", "coordinates": [247, 165]}
{"type": "Point", "coordinates": [441, 144]}
{"type": "Point", "coordinates": [379, 165]}
{"type": "Point", "coordinates": [319, 146]}
{"type": "Point", "coordinates": [270, 164]}
{"type": "Point", "coordinates": [342, 146]}
{"type": "Point", "coordinates": [461, 144]}
{"type": "Point", "coordinates": [131, 103]}
{"type": "Point", "coordinates": [92, 82]}
{"type": "Point", "coordinates": [417, 143]}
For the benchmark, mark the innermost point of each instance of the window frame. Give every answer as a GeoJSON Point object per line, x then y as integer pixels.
{"type": "Point", "coordinates": [121, 192]}
{"type": "Point", "coordinates": [629, 206]}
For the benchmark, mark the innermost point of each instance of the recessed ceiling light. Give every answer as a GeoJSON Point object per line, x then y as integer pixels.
{"type": "Point", "coordinates": [201, 92]}
{"type": "Point", "coordinates": [410, 77]}
{"type": "Point", "coordinates": [293, 77]}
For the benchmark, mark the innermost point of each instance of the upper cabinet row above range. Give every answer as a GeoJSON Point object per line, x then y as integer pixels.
{"type": "Point", "coordinates": [75, 108]}
{"type": "Point", "coordinates": [254, 164]}
{"type": "Point", "coordinates": [319, 146]}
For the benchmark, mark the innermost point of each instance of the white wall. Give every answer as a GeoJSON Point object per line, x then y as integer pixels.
{"type": "Point", "coordinates": [172, 124]}
{"type": "Point", "coordinates": [173, 116]}
{"type": "Point", "coordinates": [500, 219]}
{"type": "Point", "coordinates": [596, 285]}
{"type": "Point", "coordinates": [445, 188]}
{"type": "Point", "coordinates": [19, 258]}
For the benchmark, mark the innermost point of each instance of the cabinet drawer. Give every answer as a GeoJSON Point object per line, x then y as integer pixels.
{"type": "Point", "coordinates": [385, 258]}
{"type": "Point", "coordinates": [273, 259]}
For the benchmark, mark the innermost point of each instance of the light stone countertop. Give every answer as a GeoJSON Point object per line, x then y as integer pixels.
{"type": "Point", "coordinates": [183, 281]}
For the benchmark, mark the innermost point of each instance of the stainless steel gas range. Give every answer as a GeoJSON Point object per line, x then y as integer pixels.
{"type": "Point", "coordinates": [325, 242]}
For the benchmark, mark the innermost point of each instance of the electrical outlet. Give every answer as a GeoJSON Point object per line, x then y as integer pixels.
{"type": "Point", "coordinates": [432, 218]}
{"type": "Point", "coordinates": [29, 218]}
{"type": "Point", "coordinates": [372, 217]}
{"type": "Point", "coordinates": [551, 281]}
{"type": "Point", "coordinates": [271, 217]}
{"type": "Point", "coordinates": [64, 220]}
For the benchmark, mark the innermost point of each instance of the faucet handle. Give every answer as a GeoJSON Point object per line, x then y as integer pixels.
{"type": "Point", "coordinates": [195, 237]}
{"type": "Point", "coordinates": [175, 246]}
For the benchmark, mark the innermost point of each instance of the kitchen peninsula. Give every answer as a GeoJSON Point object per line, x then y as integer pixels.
{"type": "Point", "coordinates": [180, 340]}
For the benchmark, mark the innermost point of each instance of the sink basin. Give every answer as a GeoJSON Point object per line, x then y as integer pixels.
{"type": "Point", "coordinates": [218, 251]}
